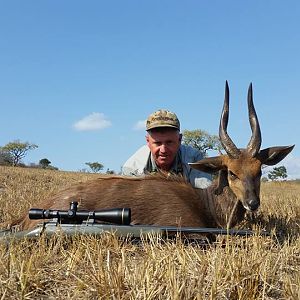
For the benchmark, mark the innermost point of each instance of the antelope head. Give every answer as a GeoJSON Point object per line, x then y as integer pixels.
{"type": "Point", "coordinates": [240, 169]}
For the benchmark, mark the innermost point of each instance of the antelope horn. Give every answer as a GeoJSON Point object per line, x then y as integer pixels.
{"type": "Point", "coordinates": [225, 140]}
{"type": "Point", "coordinates": [255, 141]}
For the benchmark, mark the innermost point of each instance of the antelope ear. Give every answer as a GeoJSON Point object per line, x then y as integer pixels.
{"type": "Point", "coordinates": [273, 155]}
{"type": "Point", "coordinates": [208, 165]}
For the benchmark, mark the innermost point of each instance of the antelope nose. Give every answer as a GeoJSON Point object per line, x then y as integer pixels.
{"type": "Point", "coordinates": [253, 204]}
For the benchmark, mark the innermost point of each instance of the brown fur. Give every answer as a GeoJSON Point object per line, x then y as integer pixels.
{"type": "Point", "coordinates": [153, 200]}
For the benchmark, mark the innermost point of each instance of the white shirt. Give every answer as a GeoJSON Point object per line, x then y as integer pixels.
{"type": "Point", "coordinates": [136, 165]}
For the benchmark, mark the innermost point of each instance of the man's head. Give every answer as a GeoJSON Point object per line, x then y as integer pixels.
{"type": "Point", "coordinates": [163, 137]}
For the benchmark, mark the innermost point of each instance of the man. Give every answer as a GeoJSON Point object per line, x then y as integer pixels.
{"type": "Point", "coordinates": [164, 151]}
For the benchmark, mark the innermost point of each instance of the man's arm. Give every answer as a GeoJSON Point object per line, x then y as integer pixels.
{"type": "Point", "coordinates": [135, 164]}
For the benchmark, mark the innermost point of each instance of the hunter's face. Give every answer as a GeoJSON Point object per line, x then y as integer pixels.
{"type": "Point", "coordinates": [164, 145]}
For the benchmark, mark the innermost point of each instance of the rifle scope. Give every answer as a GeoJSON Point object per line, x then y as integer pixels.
{"type": "Point", "coordinates": [115, 215]}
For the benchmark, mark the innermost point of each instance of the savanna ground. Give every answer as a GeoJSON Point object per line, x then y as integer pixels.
{"type": "Point", "coordinates": [109, 268]}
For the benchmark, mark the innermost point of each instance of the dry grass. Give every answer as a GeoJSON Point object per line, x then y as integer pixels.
{"type": "Point", "coordinates": [109, 268]}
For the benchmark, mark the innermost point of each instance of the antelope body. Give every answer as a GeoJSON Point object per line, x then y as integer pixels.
{"type": "Point", "coordinates": [170, 201]}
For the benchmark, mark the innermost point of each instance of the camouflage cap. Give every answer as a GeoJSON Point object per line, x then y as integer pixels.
{"type": "Point", "coordinates": [162, 118]}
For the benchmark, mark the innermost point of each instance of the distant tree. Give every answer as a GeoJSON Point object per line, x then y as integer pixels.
{"type": "Point", "coordinates": [44, 163]}
{"type": "Point", "coordinates": [201, 140]}
{"type": "Point", "coordinates": [278, 173]}
{"type": "Point", "coordinates": [5, 158]}
{"type": "Point", "coordinates": [18, 150]}
{"type": "Point", "coordinates": [95, 166]}
{"type": "Point", "coordinates": [108, 171]}
{"type": "Point", "coordinates": [264, 179]}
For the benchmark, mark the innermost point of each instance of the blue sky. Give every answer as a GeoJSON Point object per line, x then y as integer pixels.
{"type": "Point", "coordinates": [76, 77]}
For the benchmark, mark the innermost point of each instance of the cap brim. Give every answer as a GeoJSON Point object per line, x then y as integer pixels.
{"type": "Point", "coordinates": [161, 126]}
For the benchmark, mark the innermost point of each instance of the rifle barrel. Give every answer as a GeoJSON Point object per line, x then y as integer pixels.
{"type": "Point", "coordinates": [135, 231]}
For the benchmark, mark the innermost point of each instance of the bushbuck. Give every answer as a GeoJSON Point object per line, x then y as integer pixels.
{"type": "Point", "coordinates": [169, 200]}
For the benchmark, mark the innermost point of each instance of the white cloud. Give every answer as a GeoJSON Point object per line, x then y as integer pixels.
{"type": "Point", "coordinates": [94, 121]}
{"type": "Point", "coordinates": [140, 125]}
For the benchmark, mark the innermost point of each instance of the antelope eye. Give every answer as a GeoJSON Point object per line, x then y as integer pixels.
{"type": "Point", "coordinates": [232, 175]}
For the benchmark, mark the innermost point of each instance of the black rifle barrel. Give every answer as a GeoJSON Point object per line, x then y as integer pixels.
{"type": "Point", "coordinates": [116, 215]}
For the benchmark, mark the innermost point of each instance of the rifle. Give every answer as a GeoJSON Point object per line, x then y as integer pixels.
{"type": "Point", "coordinates": [73, 221]}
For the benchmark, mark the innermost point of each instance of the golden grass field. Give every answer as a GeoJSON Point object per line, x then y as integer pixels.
{"type": "Point", "coordinates": [109, 268]}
